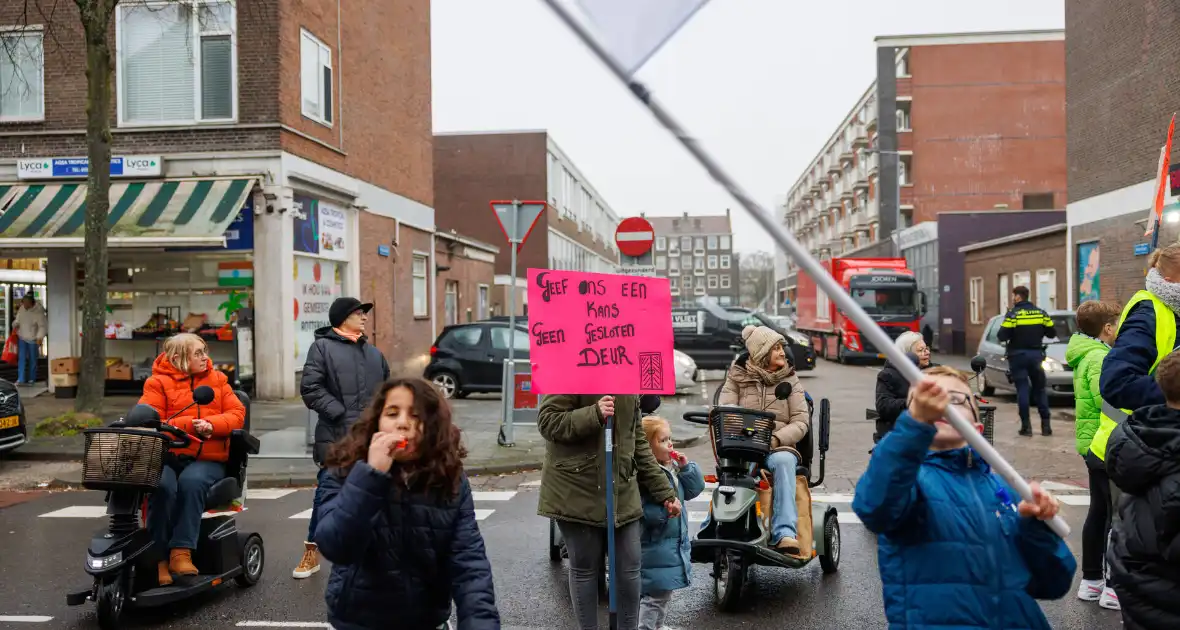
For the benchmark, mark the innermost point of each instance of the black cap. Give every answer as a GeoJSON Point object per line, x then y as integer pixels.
{"type": "Point", "coordinates": [345, 306]}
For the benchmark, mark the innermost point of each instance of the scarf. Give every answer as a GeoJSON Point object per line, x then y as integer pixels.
{"type": "Point", "coordinates": [353, 337]}
{"type": "Point", "coordinates": [1168, 292]}
{"type": "Point", "coordinates": [767, 377]}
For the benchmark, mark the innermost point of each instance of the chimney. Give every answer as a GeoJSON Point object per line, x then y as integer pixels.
{"type": "Point", "coordinates": [727, 212]}
{"type": "Point", "coordinates": [686, 215]}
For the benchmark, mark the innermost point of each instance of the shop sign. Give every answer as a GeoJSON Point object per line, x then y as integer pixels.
{"type": "Point", "coordinates": [240, 234]}
{"type": "Point", "coordinates": [63, 168]}
{"type": "Point", "coordinates": [333, 232]}
{"type": "Point", "coordinates": [321, 229]}
{"type": "Point", "coordinates": [317, 284]}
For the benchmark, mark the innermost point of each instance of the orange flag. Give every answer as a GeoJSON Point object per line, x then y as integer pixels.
{"type": "Point", "coordinates": [1161, 186]}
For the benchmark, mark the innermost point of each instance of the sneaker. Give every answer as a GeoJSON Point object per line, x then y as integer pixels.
{"type": "Point", "coordinates": [309, 564]}
{"type": "Point", "coordinates": [1109, 599]}
{"type": "Point", "coordinates": [1090, 590]}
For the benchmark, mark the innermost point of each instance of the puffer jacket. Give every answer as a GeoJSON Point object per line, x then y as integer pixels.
{"type": "Point", "coordinates": [1127, 381]}
{"type": "Point", "coordinates": [667, 565]}
{"type": "Point", "coordinates": [573, 482]}
{"type": "Point", "coordinates": [399, 558]}
{"type": "Point", "coordinates": [168, 390]}
{"type": "Point", "coordinates": [744, 389]}
{"type": "Point", "coordinates": [1143, 460]}
{"type": "Point", "coordinates": [930, 506]}
{"type": "Point", "coordinates": [338, 381]}
{"type": "Point", "coordinates": [893, 392]}
{"type": "Point", "coordinates": [1084, 355]}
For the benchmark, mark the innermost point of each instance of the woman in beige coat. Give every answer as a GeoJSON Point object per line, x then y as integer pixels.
{"type": "Point", "coordinates": [750, 384]}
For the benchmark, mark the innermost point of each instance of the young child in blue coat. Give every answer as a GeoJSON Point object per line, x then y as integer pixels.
{"type": "Point", "coordinates": [665, 542]}
{"type": "Point", "coordinates": [954, 548]}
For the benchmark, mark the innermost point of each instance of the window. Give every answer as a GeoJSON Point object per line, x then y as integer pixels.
{"type": "Point", "coordinates": [482, 307]}
{"type": "Point", "coordinates": [316, 71]}
{"type": "Point", "coordinates": [699, 262]}
{"type": "Point", "coordinates": [674, 263]}
{"type": "Point", "coordinates": [726, 300]}
{"type": "Point", "coordinates": [1021, 279]}
{"type": "Point", "coordinates": [686, 281]}
{"type": "Point", "coordinates": [1037, 201]}
{"type": "Point", "coordinates": [725, 261]}
{"type": "Point", "coordinates": [467, 336]}
{"type": "Point", "coordinates": [712, 262]}
{"type": "Point", "coordinates": [712, 281]}
{"type": "Point", "coordinates": [700, 243]}
{"type": "Point", "coordinates": [520, 341]}
{"type": "Point", "coordinates": [725, 281]}
{"type": "Point", "coordinates": [1047, 289]}
{"type": "Point", "coordinates": [420, 297]}
{"type": "Point", "coordinates": [712, 242]}
{"type": "Point", "coordinates": [22, 76]}
{"type": "Point", "coordinates": [685, 242]}
{"type": "Point", "coordinates": [993, 330]}
{"type": "Point", "coordinates": [554, 181]}
{"type": "Point", "coordinates": [567, 190]}
{"type": "Point", "coordinates": [724, 242]}
{"type": "Point", "coordinates": [451, 303]}
{"type": "Point", "coordinates": [1005, 293]}
{"type": "Point", "coordinates": [672, 282]}
{"type": "Point", "coordinates": [903, 120]}
{"type": "Point", "coordinates": [661, 243]}
{"type": "Point", "coordinates": [174, 69]}
{"type": "Point", "coordinates": [976, 301]}
{"type": "Point", "coordinates": [902, 173]}
{"type": "Point", "coordinates": [686, 262]}
{"type": "Point", "coordinates": [661, 262]}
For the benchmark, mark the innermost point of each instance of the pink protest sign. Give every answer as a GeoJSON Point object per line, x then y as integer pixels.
{"type": "Point", "coordinates": [598, 333]}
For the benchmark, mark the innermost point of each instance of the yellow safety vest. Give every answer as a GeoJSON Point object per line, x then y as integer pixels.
{"type": "Point", "coordinates": [1165, 342]}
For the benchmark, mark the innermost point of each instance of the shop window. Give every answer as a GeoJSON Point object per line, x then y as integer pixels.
{"type": "Point", "coordinates": [1047, 289]}
{"type": "Point", "coordinates": [976, 300]}
{"type": "Point", "coordinates": [316, 78]}
{"type": "Point", "coordinates": [421, 309]}
{"type": "Point", "coordinates": [174, 67]}
{"type": "Point", "coordinates": [1037, 201]}
{"type": "Point", "coordinates": [22, 76]}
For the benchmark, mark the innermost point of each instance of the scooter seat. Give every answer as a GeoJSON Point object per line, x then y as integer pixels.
{"type": "Point", "coordinates": [222, 494]}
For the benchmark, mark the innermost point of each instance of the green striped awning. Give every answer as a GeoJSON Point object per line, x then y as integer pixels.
{"type": "Point", "coordinates": [165, 208]}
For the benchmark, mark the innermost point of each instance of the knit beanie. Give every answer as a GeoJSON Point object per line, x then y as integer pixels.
{"type": "Point", "coordinates": [760, 340]}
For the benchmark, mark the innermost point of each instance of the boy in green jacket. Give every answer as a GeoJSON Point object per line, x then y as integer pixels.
{"type": "Point", "coordinates": [1097, 326]}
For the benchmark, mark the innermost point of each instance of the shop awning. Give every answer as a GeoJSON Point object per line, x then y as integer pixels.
{"type": "Point", "coordinates": [165, 213]}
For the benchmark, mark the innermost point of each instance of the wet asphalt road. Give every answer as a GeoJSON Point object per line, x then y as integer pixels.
{"type": "Point", "coordinates": [41, 557]}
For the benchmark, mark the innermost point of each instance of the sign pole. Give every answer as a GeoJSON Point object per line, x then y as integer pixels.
{"type": "Point", "coordinates": [611, 586]}
{"type": "Point", "coordinates": [509, 393]}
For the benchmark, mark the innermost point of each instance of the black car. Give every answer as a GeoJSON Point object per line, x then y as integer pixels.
{"type": "Point", "coordinates": [13, 428]}
{"type": "Point", "coordinates": [469, 358]}
{"type": "Point", "coordinates": [712, 341]}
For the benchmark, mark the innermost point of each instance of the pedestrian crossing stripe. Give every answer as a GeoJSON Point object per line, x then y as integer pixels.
{"type": "Point", "coordinates": [267, 494]}
{"type": "Point", "coordinates": [492, 496]}
{"type": "Point", "coordinates": [78, 511]}
{"type": "Point", "coordinates": [479, 514]}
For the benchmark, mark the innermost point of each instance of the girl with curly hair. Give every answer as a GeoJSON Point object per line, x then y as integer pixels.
{"type": "Point", "coordinates": [397, 520]}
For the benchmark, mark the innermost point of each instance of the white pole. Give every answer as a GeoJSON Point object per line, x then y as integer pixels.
{"type": "Point", "coordinates": [825, 281]}
{"type": "Point", "coordinates": [509, 393]}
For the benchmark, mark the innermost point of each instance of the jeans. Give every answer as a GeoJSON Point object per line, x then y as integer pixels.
{"type": "Point", "coordinates": [316, 500]}
{"type": "Point", "coordinates": [175, 508]}
{"type": "Point", "coordinates": [27, 353]}
{"type": "Point", "coordinates": [1097, 525]}
{"type": "Point", "coordinates": [1027, 374]}
{"type": "Point", "coordinates": [785, 514]}
{"type": "Point", "coordinates": [586, 547]}
{"type": "Point", "coordinates": [653, 609]}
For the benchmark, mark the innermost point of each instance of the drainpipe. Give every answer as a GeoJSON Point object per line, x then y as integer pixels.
{"type": "Point", "coordinates": [431, 295]}
{"type": "Point", "coordinates": [339, 79]}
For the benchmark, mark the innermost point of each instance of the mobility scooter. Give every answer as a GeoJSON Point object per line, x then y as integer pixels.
{"type": "Point", "coordinates": [125, 460]}
{"type": "Point", "coordinates": [736, 536]}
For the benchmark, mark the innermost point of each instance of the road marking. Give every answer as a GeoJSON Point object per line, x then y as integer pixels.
{"type": "Point", "coordinates": [304, 514]}
{"type": "Point", "coordinates": [697, 517]}
{"type": "Point", "coordinates": [1053, 486]}
{"type": "Point", "coordinates": [266, 494]}
{"type": "Point", "coordinates": [283, 624]}
{"type": "Point", "coordinates": [492, 496]}
{"type": "Point", "coordinates": [831, 498]}
{"type": "Point", "coordinates": [24, 619]}
{"type": "Point", "coordinates": [536, 483]}
{"type": "Point", "coordinates": [78, 511]}
{"type": "Point", "coordinates": [483, 514]}
{"type": "Point", "coordinates": [1074, 499]}
{"type": "Point", "coordinates": [847, 518]}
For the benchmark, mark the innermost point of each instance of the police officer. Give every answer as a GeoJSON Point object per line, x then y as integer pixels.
{"type": "Point", "coordinates": [1024, 331]}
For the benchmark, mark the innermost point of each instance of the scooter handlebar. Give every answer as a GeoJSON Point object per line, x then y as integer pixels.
{"type": "Point", "coordinates": [697, 417]}
{"type": "Point", "coordinates": [183, 439]}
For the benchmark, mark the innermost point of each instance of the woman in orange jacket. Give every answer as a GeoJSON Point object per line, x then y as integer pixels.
{"type": "Point", "coordinates": [175, 508]}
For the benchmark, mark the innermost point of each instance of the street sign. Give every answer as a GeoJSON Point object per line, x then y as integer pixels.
{"type": "Point", "coordinates": [635, 236]}
{"type": "Point", "coordinates": [636, 270]}
{"type": "Point", "coordinates": [518, 230]}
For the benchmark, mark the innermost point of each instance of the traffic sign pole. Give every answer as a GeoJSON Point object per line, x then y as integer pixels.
{"type": "Point", "coordinates": [634, 238]}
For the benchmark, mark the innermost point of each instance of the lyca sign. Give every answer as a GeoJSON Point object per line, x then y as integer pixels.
{"type": "Point", "coordinates": [67, 168]}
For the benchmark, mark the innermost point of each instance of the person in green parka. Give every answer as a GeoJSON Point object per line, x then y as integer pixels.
{"type": "Point", "coordinates": [573, 493]}
{"type": "Point", "coordinates": [1097, 323]}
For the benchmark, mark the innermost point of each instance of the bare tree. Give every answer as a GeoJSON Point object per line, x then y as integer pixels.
{"type": "Point", "coordinates": [756, 279]}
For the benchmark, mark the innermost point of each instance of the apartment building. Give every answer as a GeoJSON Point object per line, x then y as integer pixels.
{"type": "Point", "coordinates": [268, 156]}
{"type": "Point", "coordinates": [576, 231]}
{"type": "Point", "coordinates": [956, 122]}
{"type": "Point", "coordinates": [696, 254]}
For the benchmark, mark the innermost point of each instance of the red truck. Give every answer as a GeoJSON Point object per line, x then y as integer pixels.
{"type": "Point", "coordinates": [883, 287]}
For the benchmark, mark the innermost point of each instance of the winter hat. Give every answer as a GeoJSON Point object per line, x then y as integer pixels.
{"type": "Point", "coordinates": [760, 340]}
{"type": "Point", "coordinates": [342, 307]}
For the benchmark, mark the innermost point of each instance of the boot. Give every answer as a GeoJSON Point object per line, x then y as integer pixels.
{"type": "Point", "coordinates": [1025, 428]}
{"type": "Point", "coordinates": [163, 575]}
{"type": "Point", "coordinates": [309, 564]}
{"type": "Point", "coordinates": [787, 545]}
{"type": "Point", "coordinates": [181, 562]}
{"type": "Point", "coordinates": [1046, 430]}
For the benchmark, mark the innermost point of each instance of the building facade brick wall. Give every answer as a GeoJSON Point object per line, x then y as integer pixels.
{"type": "Point", "coordinates": [1122, 270]}
{"type": "Point", "coordinates": [387, 282]}
{"type": "Point", "coordinates": [464, 266]}
{"type": "Point", "coordinates": [1028, 255]}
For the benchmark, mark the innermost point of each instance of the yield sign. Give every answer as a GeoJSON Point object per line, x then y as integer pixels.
{"type": "Point", "coordinates": [634, 236]}
{"type": "Point", "coordinates": [517, 219]}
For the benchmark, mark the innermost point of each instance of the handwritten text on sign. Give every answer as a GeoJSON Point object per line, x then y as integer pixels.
{"type": "Point", "coordinates": [596, 333]}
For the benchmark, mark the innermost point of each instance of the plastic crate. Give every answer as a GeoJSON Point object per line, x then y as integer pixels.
{"type": "Point", "coordinates": [123, 459]}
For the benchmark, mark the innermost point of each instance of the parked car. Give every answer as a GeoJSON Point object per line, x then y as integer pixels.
{"type": "Point", "coordinates": [686, 372]}
{"type": "Point", "coordinates": [13, 428]}
{"type": "Point", "coordinates": [469, 358]}
{"type": "Point", "coordinates": [712, 342]}
{"type": "Point", "coordinates": [1058, 375]}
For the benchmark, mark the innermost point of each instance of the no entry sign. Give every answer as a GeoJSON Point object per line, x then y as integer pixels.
{"type": "Point", "coordinates": [634, 236]}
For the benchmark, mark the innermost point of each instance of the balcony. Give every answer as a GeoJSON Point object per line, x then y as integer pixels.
{"type": "Point", "coordinates": [860, 135]}
{"type": "Point", "coordinates": [861, 177]}
{"type": "Point", "coordinates": [698, 291]}
{"type": "Point", "coordinates": [698, 251]}
{"type": "Point", "coordinates": [832, 203]}
{"type": "Point", "coordinates": [699, 271]}
{"type": "Point", "coordinates": [872, 163]}
{"type": "Point", "coordinates": [675, 292]}
{"type": "Point", "coordinates": [816, 187]}
{"type": "Point", "coordinates": [834, 168]}
{"type": "Point", "coordinates": [846, 192]}
{"type": "Point", "coordinates": [846, 153]}
{"type": "Point", "coordinates": [674, 273]}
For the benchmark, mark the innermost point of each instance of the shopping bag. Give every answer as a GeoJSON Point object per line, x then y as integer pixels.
{"type": "Point", "coordinates": [11, 350]}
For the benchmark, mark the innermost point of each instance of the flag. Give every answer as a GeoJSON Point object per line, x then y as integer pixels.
{"type": "Point", "coordinates": [1161, 185]}
{"type": "Point", "coordinates": [235, 274]}
{"type": "Point", "coordinates": [633, 30]}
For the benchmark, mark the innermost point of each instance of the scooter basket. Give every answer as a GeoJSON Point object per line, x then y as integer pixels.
{"type": "Point", "coordinates": [987, 417]}
{"type": "Point", "coordinates": [123, 459]}
{"type": "Point", "coordinates": [740, 435]}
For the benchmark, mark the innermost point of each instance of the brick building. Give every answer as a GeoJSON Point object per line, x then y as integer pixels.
{"type": "Point", "coordinates": [274, 165]}
{"type": "Point", "coordinates": [1033, 259]}
{"type": "Point", "coordinates": [575, 232]}
{"type": "Point", "coordinates": [954, 122]}
{"type": "Point", "coordinates": [696, 255]}
{"type": "Point", "coordinates": [1116, 131]}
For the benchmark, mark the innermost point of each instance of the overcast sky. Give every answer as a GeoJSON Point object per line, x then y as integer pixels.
{"type": "Point", "coordinates": [762, 83]}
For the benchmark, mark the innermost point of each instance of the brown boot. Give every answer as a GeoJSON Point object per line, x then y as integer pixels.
{"type": "Point", "coordinates": [788, 545]}
{"type": "Point", "coordinates": [309, 564]}
{"type": "Point", "coordinates": [181, 562]}
{"type": "Point", "coordinates": [163, 576]}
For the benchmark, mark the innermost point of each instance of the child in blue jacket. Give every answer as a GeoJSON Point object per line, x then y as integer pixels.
{"type": "Point", "coordinates": [665, 542]}
{"type": "Point", "coordinates": [954, 548]}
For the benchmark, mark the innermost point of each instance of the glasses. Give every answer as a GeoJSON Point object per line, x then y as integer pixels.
{"type": "Point", "coordinates": [959, 398]}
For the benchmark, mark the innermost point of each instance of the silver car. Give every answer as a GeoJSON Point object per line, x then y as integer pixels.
{"type": "Point", "coordinates": [1058, 375]}
{"type": "Point", "coordinates": [686, 371]}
